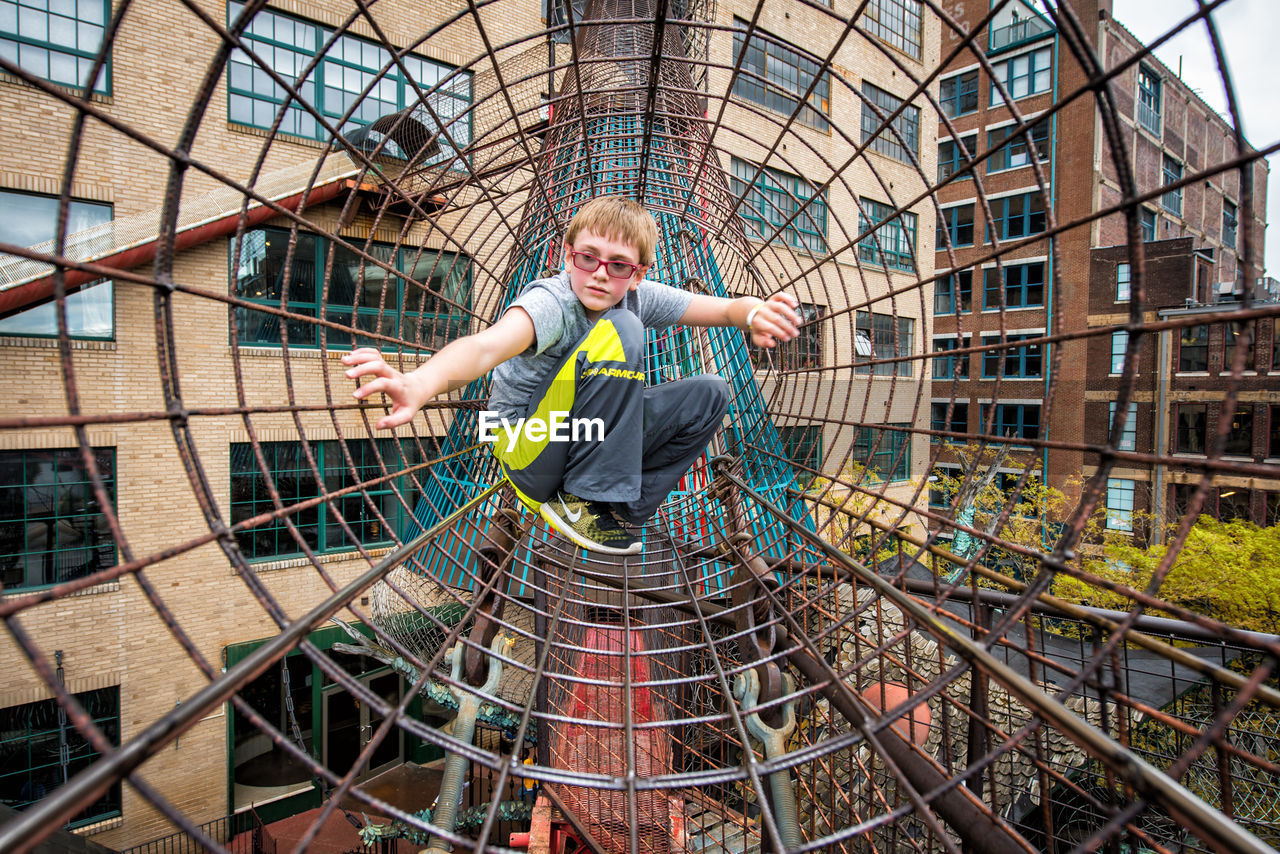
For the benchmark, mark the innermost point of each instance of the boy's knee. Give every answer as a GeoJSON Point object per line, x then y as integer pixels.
{"type": "Point", "coordinates": [715, 391]}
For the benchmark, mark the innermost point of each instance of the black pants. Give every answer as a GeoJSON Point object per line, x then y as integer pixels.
{"type": "Point", "coordinates": [637, 443]}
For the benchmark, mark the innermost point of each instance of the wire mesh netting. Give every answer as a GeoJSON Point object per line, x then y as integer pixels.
{"type": "Point", "coordinates": [948, 578]}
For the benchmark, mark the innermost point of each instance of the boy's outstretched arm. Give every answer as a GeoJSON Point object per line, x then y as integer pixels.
{"type": "Point", "coordinates": [455, 365]}
{"type": "Point", "coordinates": [769, 322]}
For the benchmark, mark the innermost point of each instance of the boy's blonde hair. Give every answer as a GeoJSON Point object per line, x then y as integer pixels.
{"type": "Point", "coordinates": [617, 218]}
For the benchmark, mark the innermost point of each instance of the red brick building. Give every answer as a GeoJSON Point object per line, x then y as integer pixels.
{"type": "Point", "coordinates": [1013, 168]}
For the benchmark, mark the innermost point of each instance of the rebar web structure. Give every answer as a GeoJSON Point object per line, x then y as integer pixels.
{"type": "Point", "coordinates": [835, 639]}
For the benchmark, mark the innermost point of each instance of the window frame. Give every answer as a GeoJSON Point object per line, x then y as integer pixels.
{"type": "Point", "coordinates": [997, 362]}
{"type": "Point", "coordinates": [887, 14]}
{"type": "Point", "coordinates": [870, 333]}
{"type": "Point", "coordinates": [49, 479]}
{"type": "Point", "coordinates": [334, 471]}
{"type": "Point", "coordinates": [1006, 146]}
{"type": "Point", "coordinates": [1119, 516]}
{"type": "Point", "coordinates": [952, 228]}
{"type": "Point", "coordinates": [1185, 345]}
{"type": "Point", "coordinates": [43, 315]}
{"type": "Point", "coordinates": [1031, 220]}
{"type": "Point", "coordinates": [1273, 438]}
{"type": "Point", "coordinates": [1230, 335]}
{"type": "Point", "coordinates": [951, 367]}
{"type": "Point", "coordinates": [959, 422]}
{"type": "Point", "coordinates": [82, 58]}
{"type": "Point", "coordinates": [800, 353]}
{"type": "Point", "coordinates": [1185, 429]}
{"type": "Point", "coordinates": [956, 284]}
{"type": "Point", "coordinates": [962, 86]}
{"type": "Point", "coordinates": [900, 138]}
{"type": "Point", "coordinates": [889, 441]}
{"type": "Point", "coordinates": [1129, 430]}
{"type": "Point", "coordinates": [1148, 224]}
{"type": "Point", "coordinates": [774, 93]}
{"type": "Point", "coordinates": [1024, 287]}
{"type": "Point", "coordinates": [898, 230]}
{"type": "Point", "coordinates": [807, 438]}
{"type": "Point", "coordinates": [953, 161]}
{"type": "Point", "coordinates": [1124, 281]}
{"type": "Point", "coordinates": [774, 197]}
{"type": "Point", "coordinates": [1006, 71]}
{"type": "Point", "coordinates": [458, 278]}
{"type": "Point", "coordinates": [1149, 106]}
{"type": "Point", "coordinates": [79, 752]}
{"type": "Point", "coordinates": [331, 72]}
{"type": "Point", "coordinates": [1230, 223]}
{"type": "Point", "coordinates": [1119, 347]}
{"type": "Point", "coordinates": [1171, 171]}
{"type": "Point", "coordinates": [1238, 441]}
{"type": "Point", "coordinates": [1019, 425]}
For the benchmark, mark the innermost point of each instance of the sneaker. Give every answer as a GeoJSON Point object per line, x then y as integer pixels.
{"type": "Point", "coordinates": [589, 525]}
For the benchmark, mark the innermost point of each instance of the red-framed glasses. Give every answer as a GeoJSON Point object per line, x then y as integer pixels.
{"type": "Point", "coordinates": [588, 263]}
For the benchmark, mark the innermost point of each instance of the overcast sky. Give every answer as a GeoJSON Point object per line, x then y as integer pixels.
{"type": "Point", "coordinates": [1250, 34]}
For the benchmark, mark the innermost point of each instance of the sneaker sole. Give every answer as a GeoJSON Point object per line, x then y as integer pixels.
{"type": "Point", "coordinates": [565, 530]}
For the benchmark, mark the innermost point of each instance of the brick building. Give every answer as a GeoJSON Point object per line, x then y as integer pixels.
{"type": "Point", "coordinates": [113, 651]}
{"type": "Point", "coordinates": [1062, 173]}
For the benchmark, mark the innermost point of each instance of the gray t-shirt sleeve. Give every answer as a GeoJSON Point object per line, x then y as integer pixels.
{"type": "Point", "coordinates": [547, 314]}
{"type": "Point", "coordinates": [662, 305]}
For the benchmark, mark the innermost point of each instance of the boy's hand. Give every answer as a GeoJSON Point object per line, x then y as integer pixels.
{"type": "Point", "coordinates": [776, 321]}
{"type": "Point", "coordinates": [405, 391]}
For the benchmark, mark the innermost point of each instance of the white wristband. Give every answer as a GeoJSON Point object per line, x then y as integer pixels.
{"type": "Point", "coordinates": [751, 315]}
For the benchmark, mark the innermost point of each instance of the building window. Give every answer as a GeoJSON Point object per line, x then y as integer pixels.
{"type": "Point", "coordinates": [30, 220]}
{"type": "Point", "coordinates": [1129, 432]}
{"type": "Point", "coordinates": [1193, 349]}
{"type": "Point", "coordinates": [885, 450]}
{"type": "Point", "coordinates": [424, 301]}
{"type": "Point", "coordinates": [556, 14]}
{"type": "Point", "coordinates": [1014, 420]}
{"type": "Point", "coordinates": [883, 337]}
{"type": "Point", "coordinates": [336, 86]}
{"type": "Point", "coordinates": [52, 528]}
{"type": "Point", "coordinates": [803, 351]}
{"type": "Point", "coordinates": [957, 423]}
{"type": "Point", "coordinates": [1190, 428]}
{"type": "Point", "coordinates": [955, 226]}
{"type": "Point", "coordinates": [958, 95]}
{"type": "Point", "coordinates": [1012, 151]}
{"type": "Point", "coordinates": [1273, 444]}
{"type": "Point", "coordinates": [950, 367]}
{"type": "Point", "coordinates": [953, 158]}
{"type": "Point", "coordinates": [1275, 344]}
{"type": "Point", "coordinates": [1233, 503]}
{"type": "Point", "coordinates": [1122, 282]}
{"type": "Point", "coordinates": [1229, 224]}
{"type": "Point", "coordinates": [374, 514]}
{"type": "Point", "coordinates": [897, 23]}
{"type": "Point", "coordinates": [901, 138]}
{"type": "Point", "coordinates": [779, 207]}
{"type": "Point", "coordinates": [1149, 99]}
{"type": "Point", "coordinates": [1231, 335]}
{"type": "Point", "coordinates": [803, 446]}
{"type": "Point", "coordinates": [56, 41]}
{"type": "Point", "coordinates": [34, 761]}
{"type": "Point", "coordinates": [1023, 75]}
{"type": "Point", "coordinates": [775, 75]}
{"type": "Point", "coordinates": [1016, 286]}
{"type": "Point", "coordinates": [1120, 504]}
{"type": "Point", "coordinates": [953, 294]}
{"type": "Point", "coordinates": [1016, 362]}
{"type": "Point", "coordinates": [943, 486]}
{"type": "Point", "coordinates": [1240, 431]}
{"type": "Point", "coordinates": [1119, 346]}
{"type": "Point", "coordinates": [1147, 224]}
{"type": "Point", "coordinates": [893, 244]}
{"type": "Point", "coordinates": [1017, 216]}
{"type": "Point", "coordinates": [1172, 200]}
